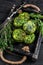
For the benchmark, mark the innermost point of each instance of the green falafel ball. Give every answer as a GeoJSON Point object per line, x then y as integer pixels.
{"type": "Point", "coordinates": [21, 19]}
{"type": "Point", "coordinates": [29, 38]}
{"type": "Point", "coordinates": [18, 22]}
{"type": "Point", "coordinates": [24, 16]}
{"type": "Point", "coordinates": [29, 27]}
{"type": "Point", "coordinates": [18, 35]}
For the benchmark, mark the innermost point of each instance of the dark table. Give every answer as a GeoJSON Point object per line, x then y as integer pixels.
{"type": "Point", "coordinates": [5, 6]}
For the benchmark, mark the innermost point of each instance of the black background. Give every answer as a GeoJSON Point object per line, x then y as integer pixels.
{"type": "Point", "coordinates": [5, 6]}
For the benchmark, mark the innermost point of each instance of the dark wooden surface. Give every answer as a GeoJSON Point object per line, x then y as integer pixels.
{"type": "Point", "coordinates": [5, 6]}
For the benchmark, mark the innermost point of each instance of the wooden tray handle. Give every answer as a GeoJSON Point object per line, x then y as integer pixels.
{"type": "Point", "coordinates": [12, 62]}
{"type": "Point", "coordinates": [36, 8]}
